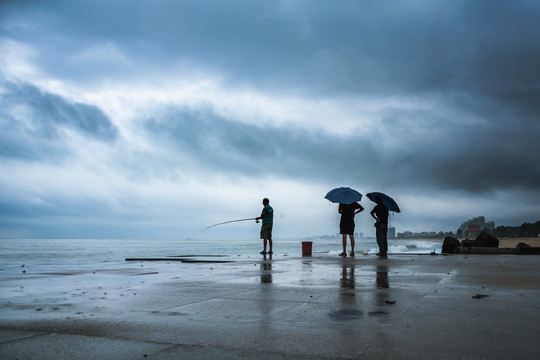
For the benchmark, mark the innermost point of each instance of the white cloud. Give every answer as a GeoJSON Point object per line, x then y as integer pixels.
{"type": "Point", "coordinates": [17, 59]}
{"type": "Point", "coordinates": [100, 54]}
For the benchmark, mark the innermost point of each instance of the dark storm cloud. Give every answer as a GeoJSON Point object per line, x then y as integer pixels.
{"type": "Point", "coordinates": [225, 145]}
{"type": "Point", "coordinates": [472, 158]}
{"type": "Point", "coordinates": [32, 120]}
{"type": "Point", "coordinates": [485, 50]}
{"type": "Point", "coordinates": [356, 46]}
{"type": "Point", "coordinates": [499, 153]}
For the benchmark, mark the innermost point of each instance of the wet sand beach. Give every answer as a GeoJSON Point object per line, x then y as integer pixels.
{"type": "Point", "coordinates": [512, 242]}
{"type": "Point", "coordinates": [321, 307]}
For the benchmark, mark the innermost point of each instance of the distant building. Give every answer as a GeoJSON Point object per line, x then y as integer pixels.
{"type": "Point", "coordinates": [391, 232]}
{"type": "Point", "coordinates": [425, 234]}
{"type": "Point", "coordinates": [473, 227]}
{"type": "Point", "coordinates": [405, 235]}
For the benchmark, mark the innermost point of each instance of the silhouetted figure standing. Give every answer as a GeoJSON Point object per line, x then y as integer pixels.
{"type": "Point", "coordinates": [346, 224]}
{"type": "Point", "coordinates": [267, 217]}
{"type": "Point", "coordinates": [380, 214]}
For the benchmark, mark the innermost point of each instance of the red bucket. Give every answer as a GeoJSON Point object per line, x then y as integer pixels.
{"type": "Point", "coordinates": [306, 248]}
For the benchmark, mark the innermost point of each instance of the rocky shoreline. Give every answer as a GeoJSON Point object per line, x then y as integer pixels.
{"type": "Point", "coordinates": [488, 244]}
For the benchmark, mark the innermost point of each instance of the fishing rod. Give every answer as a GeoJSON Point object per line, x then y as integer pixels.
{"type": "Point", "coordinates": [232, 221]}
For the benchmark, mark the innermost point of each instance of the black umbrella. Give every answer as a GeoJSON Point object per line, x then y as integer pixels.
{"type": "Point", "coordinates": [343, 195]}
{"type": "Point", "coordinates": [386, 200]}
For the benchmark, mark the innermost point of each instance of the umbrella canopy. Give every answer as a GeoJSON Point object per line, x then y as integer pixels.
{"type": "Point", "coordinates": [343, 195]}
{"type": "Point", "coordinates": [386, 200]}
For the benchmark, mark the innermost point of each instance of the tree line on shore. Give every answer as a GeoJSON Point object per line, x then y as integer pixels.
{"type": "Point", "coordinates": [524, 230]}
{"type": "Point", "coordinates": [501, 231]}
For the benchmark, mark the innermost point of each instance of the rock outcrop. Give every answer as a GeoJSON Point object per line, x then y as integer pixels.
{"type": "Point", "coordinates": [450, 245]}
{"type": "Point", "coordinates": [486, 240]}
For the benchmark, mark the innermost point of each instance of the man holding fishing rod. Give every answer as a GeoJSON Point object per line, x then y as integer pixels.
{"type": "Point", "coordinates": [267, 217]}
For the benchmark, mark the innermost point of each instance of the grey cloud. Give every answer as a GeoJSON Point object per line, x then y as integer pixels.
{"type": "Point", "coordinates": [91, 217]}
{"type": "Point", "coordinates": [486, 50]}
{"type": "Point", "coordinates": [358, 46]}
{"type": "Point", "coordinates": [470, 158]}
{"type": "Point", "coordinates": [31, 121]}
{"type": "Point", "coordinates": [214, 141]}
{"type": "Point", "coordinates": [494, 152]}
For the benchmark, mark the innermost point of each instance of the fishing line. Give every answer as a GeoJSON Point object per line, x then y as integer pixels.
{"type": "Point", "coordinates": [228, 222]}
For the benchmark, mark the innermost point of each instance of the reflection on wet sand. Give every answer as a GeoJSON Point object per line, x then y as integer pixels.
{"type": "Point", "coordinates": [347, 277]}
{"type": "Point", "coordinates": [347, 295]}
{"type": "Point", "coordinates": [382, 277]}
{"type": "Point", "coordinates": [266, 270]}
{"type": "Point", "coordinates": [266, 304]}
{"type": "Point", "coordinates": [381, 294]}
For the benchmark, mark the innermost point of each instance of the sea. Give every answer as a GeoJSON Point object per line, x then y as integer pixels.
{"type": "Point", "coordinates": [28, 252]}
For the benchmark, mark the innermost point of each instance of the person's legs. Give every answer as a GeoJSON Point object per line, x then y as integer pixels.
{"type": "Point", "coordinates": [344, 242]}
{"type": "Point", "coordinates": [385, 239]}
{"type": "Point", "coordinates": [381, 234]}
{"type": "Point", "coordinates": [269, 237]}
{"type": "Point", "coordinates": [378, 235]}
{"type": "Point", "coordinates": [264, 237]}
{"type": "Point", "coordinates": [351, 236]}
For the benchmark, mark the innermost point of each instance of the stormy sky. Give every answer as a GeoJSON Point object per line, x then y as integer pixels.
{"type": "Point", "coordinates": [155, 119]}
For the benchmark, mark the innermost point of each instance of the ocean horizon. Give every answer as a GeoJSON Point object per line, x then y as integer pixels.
{"type": "Point", "coordinates": [27, 252]}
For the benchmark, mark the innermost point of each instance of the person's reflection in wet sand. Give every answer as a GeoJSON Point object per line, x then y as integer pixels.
{"type": "Point", "coordinates": [382, 277]}
{"type": "Point", "coordinates": [347, 278]}
{"type": "Point", "coordinates": [266, 270]}
{"type": "Point", "coordinates": [347, 295]}
{"type": "Point", "coordinates": [382, 307]}
{"type": "Point", "coordinates": [382, 283]}
{"type": "Point", "coordinates": [266, 303]}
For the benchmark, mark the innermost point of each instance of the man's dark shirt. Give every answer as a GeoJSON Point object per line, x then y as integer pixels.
{"type": "Point", "coordinates": [381, 211]}
{"type": "Point", "coordinates": [347, 213]}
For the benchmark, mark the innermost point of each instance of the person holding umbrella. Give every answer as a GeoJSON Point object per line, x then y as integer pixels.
{"type": "Point", "coordinates": [347, 199]}
{"type": "Point", "coordinates": [346, 224]}
{"type": "Point", "coordinates": [380, 214]}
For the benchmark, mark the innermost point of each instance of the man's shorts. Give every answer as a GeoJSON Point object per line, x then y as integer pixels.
{"type": "Point", "coordinates": [266, 231]}
{"type": "Point", "coordinates": [346, 230]}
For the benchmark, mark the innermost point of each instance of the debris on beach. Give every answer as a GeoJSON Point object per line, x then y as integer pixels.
{"type": "Point", "coordinates": [479, 296]}
{"type": "Point", "coordinates": [391, 302]}
{"type": "Point", "coordinates": [377, 313]}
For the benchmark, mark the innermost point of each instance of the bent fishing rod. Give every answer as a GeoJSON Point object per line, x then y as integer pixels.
{"type": "Point", "coordinates": [232, 221]}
